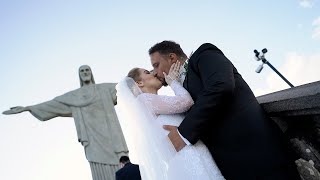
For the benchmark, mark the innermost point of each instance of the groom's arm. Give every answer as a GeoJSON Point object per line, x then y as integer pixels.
{"type": "Point", "coordinates": [216, 74]}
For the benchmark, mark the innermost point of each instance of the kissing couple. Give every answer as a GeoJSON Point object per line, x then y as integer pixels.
{"type": "Point", "coordinates": [212, 128]}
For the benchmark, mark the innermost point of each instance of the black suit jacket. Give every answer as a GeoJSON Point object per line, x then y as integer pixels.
{"type": "Point", "coordinates": [226, 116]}
{"type": "Point", "coordinates": [128, 172]}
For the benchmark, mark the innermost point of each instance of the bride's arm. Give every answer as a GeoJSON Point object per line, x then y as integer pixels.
{"type": "Point", "coordinates": [179, 103]}
{"type": "Point", "coordinates": [162, 104]}
{"type": "Point", "coordinates": [182, 101]}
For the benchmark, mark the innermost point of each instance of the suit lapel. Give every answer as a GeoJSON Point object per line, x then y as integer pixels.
{"type": "Point", "coordinates": [185, 82]}
{"type": "Point", "coordinates": [185, 85]}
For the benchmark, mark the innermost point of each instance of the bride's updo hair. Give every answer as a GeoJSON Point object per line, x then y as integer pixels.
{"type": "Point", "coordinates": [134, 74]}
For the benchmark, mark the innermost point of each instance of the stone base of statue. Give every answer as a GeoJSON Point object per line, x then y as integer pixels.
{"type": "Point", "coordinates": [103, 171]}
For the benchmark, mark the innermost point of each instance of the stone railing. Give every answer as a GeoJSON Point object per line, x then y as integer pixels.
{"type": "Point", "coordinates": [297, 112]}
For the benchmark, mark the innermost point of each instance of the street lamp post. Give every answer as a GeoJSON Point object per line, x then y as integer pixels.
{"type": "Point", "coordinates": [260, 56]}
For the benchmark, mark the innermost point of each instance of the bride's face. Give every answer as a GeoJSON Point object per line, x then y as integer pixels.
{"type": "Point", "coordinates": [148, 80]}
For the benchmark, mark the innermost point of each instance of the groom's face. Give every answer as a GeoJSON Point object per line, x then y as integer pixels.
{"type": "Point", "coordinates": [160, 63]}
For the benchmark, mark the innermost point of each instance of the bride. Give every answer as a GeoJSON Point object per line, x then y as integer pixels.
{"type": "Point", "coordinates": [142, 113]}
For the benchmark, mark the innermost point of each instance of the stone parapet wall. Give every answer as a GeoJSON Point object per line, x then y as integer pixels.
{"type": "Point", "coordinates": [297, 112]}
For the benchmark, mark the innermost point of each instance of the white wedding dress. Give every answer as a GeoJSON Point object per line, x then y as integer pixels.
{"type": "Point", "coordinates": [142, 116]}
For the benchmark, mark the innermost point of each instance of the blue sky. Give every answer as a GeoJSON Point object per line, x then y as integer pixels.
{"type": "Point", "coordinates": [42, 44]}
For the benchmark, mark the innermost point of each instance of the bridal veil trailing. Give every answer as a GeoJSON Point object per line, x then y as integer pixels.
{"type": "Point", "coordinates": [147, 145]}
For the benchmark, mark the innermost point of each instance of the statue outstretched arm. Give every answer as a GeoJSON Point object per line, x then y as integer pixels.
{"type": "Point", "coordinates": [16, 110]}
{"type": "Point", "coordinates": [43, 111]}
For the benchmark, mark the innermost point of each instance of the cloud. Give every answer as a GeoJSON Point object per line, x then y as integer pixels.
{"type": "Point", "coordinates": [298, 69]}
{"type": "Point", "coordinates": [316, 30]}
{"type": "Point", "coordinates": [306, 3]}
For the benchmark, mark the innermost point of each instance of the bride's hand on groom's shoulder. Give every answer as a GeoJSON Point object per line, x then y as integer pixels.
{"type": "Point", "coordinates": [173, 73]}
{"type": "Point", "coordinates": [174, 137]}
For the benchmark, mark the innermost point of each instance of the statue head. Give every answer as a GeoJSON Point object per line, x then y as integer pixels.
{"type": "Point", "coordinates": [85, 75]}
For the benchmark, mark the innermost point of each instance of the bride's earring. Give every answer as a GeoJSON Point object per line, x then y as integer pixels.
{"type": "Point", "coordinates": [139, 83]}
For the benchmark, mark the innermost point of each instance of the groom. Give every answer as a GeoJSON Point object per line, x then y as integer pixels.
{"type": "Point", "coordinates": [226, 116]}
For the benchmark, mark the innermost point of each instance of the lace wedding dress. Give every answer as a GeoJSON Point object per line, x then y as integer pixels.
{"type": "Point", "coordinates": [142, 116]}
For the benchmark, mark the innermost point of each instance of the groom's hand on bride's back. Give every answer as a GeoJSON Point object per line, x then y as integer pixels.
{"type": "Point", "coordinates": [174, 137]}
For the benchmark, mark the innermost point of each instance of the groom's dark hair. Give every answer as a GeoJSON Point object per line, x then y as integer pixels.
{"type": "Point", "coordinates": [167, 47]}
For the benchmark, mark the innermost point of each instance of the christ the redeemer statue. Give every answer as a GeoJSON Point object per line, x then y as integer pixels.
{"type": "Point", "coordinates": [98, 128]}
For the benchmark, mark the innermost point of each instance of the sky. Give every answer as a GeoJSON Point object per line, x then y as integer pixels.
{"type": "Point", "coordinates": [43, 43]}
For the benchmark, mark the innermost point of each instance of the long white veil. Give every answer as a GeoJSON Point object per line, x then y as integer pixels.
{"type": "Point", "coordinates": [148, 145]}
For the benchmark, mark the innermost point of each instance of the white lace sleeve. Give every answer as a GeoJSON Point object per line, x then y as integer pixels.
{"type": "Point", "coordinates": [162, 104]}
